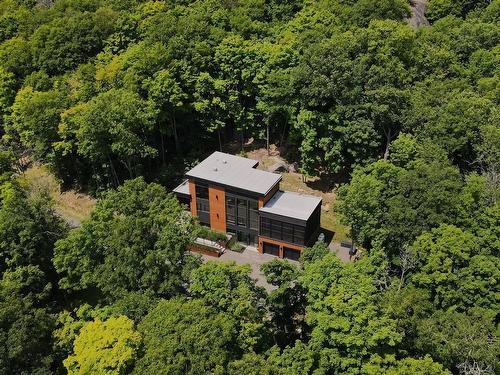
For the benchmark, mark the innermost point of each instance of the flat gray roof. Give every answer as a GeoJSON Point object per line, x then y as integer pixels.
{"type": "Point", "coordinates": [236, 172]}
{"type": "Point", "coordinates": [183, 188]}
{"type": "Point", "coordinates": [285, 203]}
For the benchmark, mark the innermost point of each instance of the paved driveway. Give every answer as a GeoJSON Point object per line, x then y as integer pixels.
{"type": "Point", "coordinates": [254, 259]}
{"type": "Point", "coordinates": [251, 257]}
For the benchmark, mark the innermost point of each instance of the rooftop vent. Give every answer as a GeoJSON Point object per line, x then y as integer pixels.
{"type": "Point", "coordinates": [224, 161]}
{"type": "Point", "coordinates": [215, 169]}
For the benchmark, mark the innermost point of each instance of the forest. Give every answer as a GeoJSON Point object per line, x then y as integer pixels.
{"type": "Point", "coordinates": [118, 98]}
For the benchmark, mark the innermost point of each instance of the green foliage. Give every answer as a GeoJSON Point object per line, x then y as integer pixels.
{"type": "Point", "coordinates": [28, 229]}
{"type": "Point", "coordinates": [111, 127]}
{"type": "Point", "coordinates": [186, 337]}
{"type": "Point", "coordinates": [406, 366]}
{"type": "Point", "coordinates": [461, 341]}
{"type": "Point", "coordinates": [104, 347]}
{"type": "Point", "coordinates": [228, 288]}
{"type": "Point", "coordinates": [441, 8]}
{"type": "Point", "coordinates": [317, 252]}
{"type": "Point", "coordinates": [455, 269]}
{"type": "Point", "coordinates": [135, 240]}
{"type": "Point", "coordinates": [347, 323]}
{"type": "Point", "coordinates": [7, 92]}
{"type": "Point", "coordinates": [286, 303]}
{"type": "Point", "coordinates": [35, 117]}
{"type": "Point", "coordinates": [405, 120]}
{"type": "Point", "coordinates": [204, 232]}
{"type": "Point", "coordinates": [394, 205]}
{"type": "Point", "coordinates": [66, 42]}
{"type": "Point", "coordinates": [25, 323]}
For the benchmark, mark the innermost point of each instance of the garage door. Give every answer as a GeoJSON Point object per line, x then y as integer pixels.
{"type": "Point", "coordinates": [271, 249]}
{"type": "Point", "coordinates": [291, 253]}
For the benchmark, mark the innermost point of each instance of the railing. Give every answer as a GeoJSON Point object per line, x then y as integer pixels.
{"type": "Point", "coordinates": [209, 247]}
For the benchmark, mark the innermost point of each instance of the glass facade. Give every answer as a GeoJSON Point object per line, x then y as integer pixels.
{"type": "Point", "coordinates": [202, 205]}
{"type": "Point", "coordinates": [230, 210]}
{"type": "Point", "coordinates": [242, 218]}
{"type": "Point", "coordinates": [279, 230]}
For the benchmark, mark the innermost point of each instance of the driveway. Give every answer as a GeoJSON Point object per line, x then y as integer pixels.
{"type": "Point", "coordinates": [251, 257]}
{"type": "Point", "coordinates": [254, 259]}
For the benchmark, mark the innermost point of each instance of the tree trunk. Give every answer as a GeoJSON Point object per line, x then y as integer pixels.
{"type": "Point", "coordinates": [267, 137]}
{"type": "Point", "coordinates": [113, 171]}
{"type": "Point", "coordinates": [162, 148]}
{"type": "Point", "coordinates": [220, 142]}
{"type": "Point", "coordinates": [388, 143]}
{"type": "Point", "coordinates": [284, 131]}
{"type": "Point", "coordinates": [174, 132]}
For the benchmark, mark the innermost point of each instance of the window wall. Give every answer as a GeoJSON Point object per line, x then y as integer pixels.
{"type": "Point", "coordinates": [280, 230]}
{"type": "Point", "coordinates": [242, 218]}
{"type": "Point", "coordinates": [202, 204]}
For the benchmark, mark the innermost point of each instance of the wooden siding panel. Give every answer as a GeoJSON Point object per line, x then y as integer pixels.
{"type": "Point", "coordinates": [192, 192]}
{"type": "Point", "coordinates": [217, 203]}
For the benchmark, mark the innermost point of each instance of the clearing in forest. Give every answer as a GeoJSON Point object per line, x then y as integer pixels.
{"type": "Point", "coordinates": [70, 205]}
{"type": "Point", "coordinates": [296, 182]}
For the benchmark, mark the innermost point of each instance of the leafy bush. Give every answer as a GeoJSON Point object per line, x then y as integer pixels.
{"type": "Point", "coordinates": [236, 246]}
{"type": "Point", "coordinates": [207, 233]}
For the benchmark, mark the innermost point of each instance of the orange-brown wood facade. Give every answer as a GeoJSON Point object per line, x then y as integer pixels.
{"type": "Point", "coordinates": [192, 192]}
{"type": "Point", "coordinates": [263, 200]}
{"type": "Point", "coordinates": [281, 244]}
{"type": "Point", "coordinates": [217, 203]}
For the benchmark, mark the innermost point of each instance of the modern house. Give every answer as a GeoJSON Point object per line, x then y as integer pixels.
{"type": "Point", "coordinates": [228, 194]}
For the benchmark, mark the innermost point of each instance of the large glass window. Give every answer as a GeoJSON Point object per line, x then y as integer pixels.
{"type": "Point", "coordinates": [265, 226]}
{"type": "Point", "coordinates": [202, 204]}
{"type": "Point", "coordinates": [287, 232]}
{"type": "Point", "coordinates": [282, 231]}
{"type": "Point", "coordinates": [276, 229]}
{"type": "Point", "coordinates": [201, 192]}
{"type": "Point", "coordinates": [231, 210]}
{"type": "Point", "coordinates": [298, 234]}
{"type": "Point", "coordinates": [242, 212]}
{"type": "Point", "coordinates": [253, 210]}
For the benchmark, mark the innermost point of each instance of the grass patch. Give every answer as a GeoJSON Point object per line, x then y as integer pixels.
{"type": "Point", "coordinates": [71, 205]}
{"type": "Point", "coordinates": [330, 221]}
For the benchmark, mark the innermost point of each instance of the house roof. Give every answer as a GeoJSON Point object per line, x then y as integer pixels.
{"type": "Point", "coordinates": [183, 188]}
{"type": "Point", "coordinates": [295, 205]}
{"type": "Point", "coordinates": [236, 172]}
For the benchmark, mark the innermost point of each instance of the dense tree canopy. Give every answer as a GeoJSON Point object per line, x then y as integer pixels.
{"type": "Point", "coordinates": [119, 98]}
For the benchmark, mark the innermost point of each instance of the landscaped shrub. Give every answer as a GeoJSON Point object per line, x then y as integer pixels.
{"type": "Point", "coordinates": [207, 233]}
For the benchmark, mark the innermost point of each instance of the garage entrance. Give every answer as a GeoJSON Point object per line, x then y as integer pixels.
{"type": "Point", "coordinates": [272, 249]}
{"type": "Point", "coordinates": [291, 254]}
